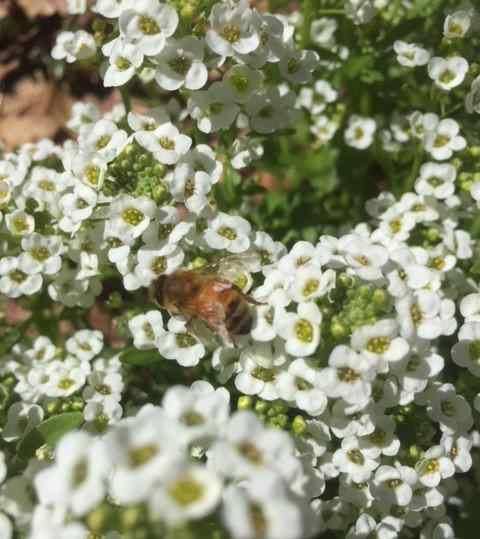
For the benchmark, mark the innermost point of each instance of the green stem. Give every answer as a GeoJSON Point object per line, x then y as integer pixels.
{"type": "Point", "coordinates": [127, 102]}
{"type": "Point", "coordinates": [326, 12]}
{"type": "Point", "coordinates": [414, 172]}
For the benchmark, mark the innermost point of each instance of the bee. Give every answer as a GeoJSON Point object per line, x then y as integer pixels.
{"type": "Point", "coordinates": [210, 295]}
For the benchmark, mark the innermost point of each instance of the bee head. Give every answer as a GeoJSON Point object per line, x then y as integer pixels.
{"type": "Point", "coordinates": [157, 290]}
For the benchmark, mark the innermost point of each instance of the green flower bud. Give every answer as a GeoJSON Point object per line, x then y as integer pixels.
{"type": "Point", "coordinates": [261, 406]}
{"type": "Point", "coordinates": [244, 402]}
{"type": "Point", "coordinates": [299, 425]}
{"type": "Point", "coordinates": [98, 518]}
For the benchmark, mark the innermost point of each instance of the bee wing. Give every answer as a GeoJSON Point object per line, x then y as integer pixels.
{"type": "Point", "coordinates": [237, 268]}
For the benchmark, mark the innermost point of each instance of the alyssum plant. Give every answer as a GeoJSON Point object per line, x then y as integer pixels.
{"type": "Point", "coordinates": [348, 407]}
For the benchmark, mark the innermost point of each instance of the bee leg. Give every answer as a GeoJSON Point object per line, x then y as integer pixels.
{"type": "Point", "coordinates": [253, 301]}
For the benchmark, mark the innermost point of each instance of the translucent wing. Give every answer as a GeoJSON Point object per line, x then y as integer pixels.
{"type": "Point", "coordinates": [237, 268]}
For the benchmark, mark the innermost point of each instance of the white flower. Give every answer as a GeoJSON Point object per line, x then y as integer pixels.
{"type": "Point", "coordinates": [310, 283]}
{"type": "Point", "coordinates": [271, 110]}
{"type": "Point", "coordinates": [76, 480]}
{"type": "Point", "coordinates": [348, 376]}
{"type": "Point", "coordinates": [103, 386]}
{"type": "Point", "coordinates": [301, 330]}
{"type": "Point", "coordinates": [166, 143]}
{"type": "Point", "coordinates": [382, 440]}
{"type": "Point", "coordinates": [447, 73]}
{"type": "Point", "coordinates": [181, 64]}
{"type": "Point", "coordinates": [231, 29]}
{"type": "Point", "coordinates": [65, 377]}
{"type": "Point", "coordinates": [410, 54]}
{"type": "Point", "coordinates": [360, 132]}
{"type": "Point", "coordinates": [360, 11]}
{"type": "Point", "coordinates": [228, 232]}
{"type": "Point", "coordinates": [20, 223]}
{"type": "Point", "coordinates": [201, 410]}
{"type": "Point", "coordinates": [451, 410]}
{"type": "Point", "coordinates": [322, 31]}
{"type": "Point", "coordinates": [243, 82]}
{"type": "Point", "coordinates": [180, 345]}
{"type": "Point", "coordinates": [296, 66]}
{"type": "Point", "coordinates": [42, 254]}
{"type": "Point", "coordinates": [15, 279]}
{"type": "Point", "coordinates": [124, 59]}
{"type": "Point", "coordinates": [434, 466]}
{"type": "Point", "coordinates": [261, 508]}
{"type": "Point", "coordinates": [457, 24]}
{"type": "Point", "coordinates": [99, 413]}
{"type": "Point", "coordinates": [380, 343]}
{"type": "Point", "coordinates": [85, 344]}
{"type": "Point", "coordinates": [317, 98]}
{"type": "Point", "coordinates": [425, 314]}
{"type": "Point", "coordinates": [299, 383]}
{"type": "Point", "coordinates": [436, 179]}
{"type": "Point", "coordinates": [76, 207]}
{"type": "Point", "coordinates": [186, 492]}
{"type": "Point", "coordinates": [73, 46]}
{"type": "Point", "coordinates": [146, 329]}
{"type": "Point", "coordinates": [260, 366]}
{"type": "Point", "coordinates": [458, 448]}
{"type": "Point", "coordinates": [364, 258]}
{"type": "Point", "coordinates": [470, 307]}
{"type": "Point", "coordinates": [154, 261]}
{"type": "Point", "coordinates": [141, 451]}
{"type": "Point", "coordinates": [248, 448]}
{"type": "Point", "coordinates": [472, 99]}
{"type": "Point", "coordinates": [393, 485]}
{"type": "Point", "coordinates": [215, 108]}
{"type": "Point", "coordinates": [147, 24]}
{"type": "Point", "coordinates": [191, 188]}
{"type": "Point", "coordinates": [21, 419]}
{"type": "Point", "coordinates": [352, 460]}
{"type": "Point", "coordinates": [104, 139]}
{"type": "Point", "coordinates": [442, 138]}
{"type": "Point", "coordinates": [129, 217]}
{"type": "Point", "coordinates": [466, 352]}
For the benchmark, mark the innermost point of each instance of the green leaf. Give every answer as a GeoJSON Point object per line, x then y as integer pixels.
{"type": "Point", "coordinates": [140, 357]}
{"type": "Point", "coordinates": [7, 341]}
{"type": "Point", "coordinates": [48, 432]}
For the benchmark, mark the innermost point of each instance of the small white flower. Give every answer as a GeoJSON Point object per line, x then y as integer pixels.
{"type": "Point", "coordinates": [436, 179]}
{"type": "Point", "coordinates": [365, 259]}
{"type": "Point", "coordinates": [310, 283]}
{"type": "Point", "coordinates": [352, 460]}
{"type": "Point", "coordinates": [186, 492]}
{"type": "Point", "coordinates": [124, 59]}
{"type": "Point", "coordinates": [21, 419]}
{"type": "Point", "coordinates": [410, 54]}
{"type": "Point", "coordinates": [147, 24]}
{"type": "Point", "coordinates": [147, 329]}
{"type": "Point", "coordinates": [466, 353]}
{"type": "Point", "coordinates": [447, 73]}
{"type": "Point", "coordinates": [434, 466]}
{"type": "Point", "coordinates": [104, 139]}
{"type": "Point", "coordinates": [457, 24]}
{"type": "Point", "coordinates": [15, 278]}
{"type": "Point", "coordinates": [129, 217]}
{"type": "Point", "coordinates": [393, 485]}
{"type": "Point", "coordinates": [231, 29]}
{"type": "Point", "coordinates": [228, 232]}
{"type": "Point", "coordinates": [301, 330]}
{"type": "Point", "coordinates": [472, 99]}
{"type": "Point", "coordinates": [271, 110]}
{"type": "Point", "coordinates": [180, 345]}
{"type": "Point", "coordinates": [73, 46]}
{"type": "Point", "coordinates": [451, 410]}
{"type": "Point", "coordinates": [360, 132]}
{"type": "Point", "coordinates": [76, 480]}
{"type": "Point", "coordinates": [299, 383]}
{"type": "Point", "coordinates": [296, 66]}
{"type": "Point", "coordinates": [41, 254]}
{"type": "Point", "coordinates": [215, 108]}
{"type": "Point", "coordinates": [243, 82]}
{"type": "Point", "coordinates": [470, 307]}
{"type": "Point", "coordinates": [20, 223]}
{"type": "Point", "coordinates": [153, 261]}
{"type": "Point", "coordinates": [322, 31]}
{"type": "Point", "coordinates": [380, 343]}
{"type": "Point", "coordinates": [458, 448]}
{"type": "Point", "coordinates": [442, 138]}
{"type": "Point", "coordinates": [85, 344]}
{"type": "Point", "coordinates": [181, 64]}
{"type": "Point", "coordinates": [166, 143]}
{"type": "Point", "coordinates": [348, 376]}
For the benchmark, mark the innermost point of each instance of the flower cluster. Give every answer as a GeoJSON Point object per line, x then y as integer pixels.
{"type": "Point", "coordinates": [186, 461]}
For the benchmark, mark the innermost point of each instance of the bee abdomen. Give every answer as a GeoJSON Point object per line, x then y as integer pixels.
{"type": "Point", "coordinates": [238, 320]}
